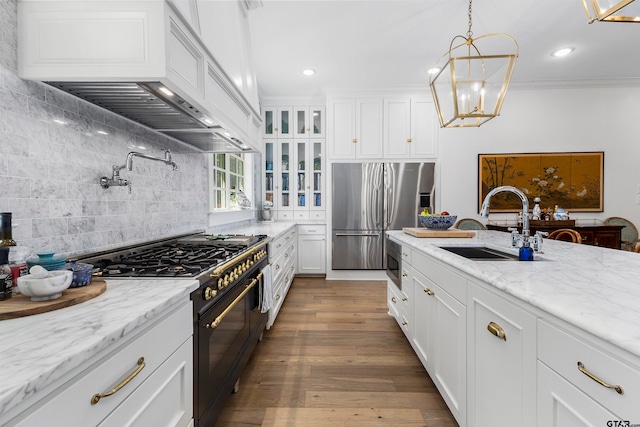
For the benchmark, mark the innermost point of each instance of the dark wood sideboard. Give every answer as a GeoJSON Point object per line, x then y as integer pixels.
{"type": "Point", "coordinates": [607, 236]}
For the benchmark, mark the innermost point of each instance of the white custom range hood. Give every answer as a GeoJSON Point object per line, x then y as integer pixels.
{"type": "Point", "coordinates": [149, 61]}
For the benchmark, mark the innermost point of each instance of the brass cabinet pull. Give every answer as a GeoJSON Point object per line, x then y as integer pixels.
{"type": "Point", "coordinates": [497, 330]}
{"type": "Point", "coordinates": [428, 292]}
{"type": "Point", "coordinates": [354, 141]}
{"type": "Point", "coordinates": [404, 274]}
{"type": "Point", "coordinates": [96, 397]}
{"type": "Point", "coordinates": [277, 297]}
{"type": "Point", "coordinates": [582, 369]}
{"type": "Point", "coordinates": [405, 299]}
{"type": "Point", "coordinates": [404, 323]}
{"type": "Point", "coordinates": [226, 311]}
{"type": "Point", "coordinates": [393, 300]}
{"type": "Point", "coordinates": [408, 139]}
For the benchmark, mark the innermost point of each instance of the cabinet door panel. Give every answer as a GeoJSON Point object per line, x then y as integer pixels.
{"type": "Point", "coordinates": [424, 142]}
{"type": "Point", "coordinates": [560, 404]}
{"type": "Point", "coordinates": [397, 132]}
{"type": "Point", "coordinates": [163, 400]}
{"type": "Point", "coordinates": [369, 128]}
{"type": "Point", "coordinates": [342, 128]}
{"type": "Point", "coordinates": [501, 369]}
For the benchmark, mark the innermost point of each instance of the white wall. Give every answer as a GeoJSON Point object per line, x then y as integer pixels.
{"type": "Point", "coordinates": [555, 120]}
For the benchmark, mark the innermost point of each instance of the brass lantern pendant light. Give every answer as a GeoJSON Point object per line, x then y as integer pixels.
{"type": "Point", "coordinates": [612, 10]}
{"type": "Point", "coordinates": [473, 78]}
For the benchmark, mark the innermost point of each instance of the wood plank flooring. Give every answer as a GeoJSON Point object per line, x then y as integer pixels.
{"type": "Point", "coordinates": [334, 357]}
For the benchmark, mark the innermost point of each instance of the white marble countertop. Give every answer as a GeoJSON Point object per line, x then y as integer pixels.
{"type": "Point", "coordinates": [595, 289]}
{"type": "Point", "coordinates": [271, 229]}
{"type": "Point", "coordinates": [37, 350]}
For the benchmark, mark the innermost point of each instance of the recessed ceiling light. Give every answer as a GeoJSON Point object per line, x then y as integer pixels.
{"type": "Point", "coordinates": [562, 52]}
{"type": "Point", "coordinates": [308, 72]}
{"type": "Point", "coordinates": [433, 71]}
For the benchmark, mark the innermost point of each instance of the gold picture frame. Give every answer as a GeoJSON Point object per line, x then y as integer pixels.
{"type": "Point", "coordinates": [573, 181]}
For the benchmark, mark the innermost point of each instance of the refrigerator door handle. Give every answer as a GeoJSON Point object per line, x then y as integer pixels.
{"type": "Point", "coordinates": [358, 234]}
{"type": "Point", "coordinates": [378, 213]}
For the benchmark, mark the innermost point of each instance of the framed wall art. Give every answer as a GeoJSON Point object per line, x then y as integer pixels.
{"type": "Point", "coordinates": [573, 181]}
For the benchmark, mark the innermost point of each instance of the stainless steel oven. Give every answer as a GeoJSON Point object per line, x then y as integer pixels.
{"type": "Point", "coordinates": [394, 262]}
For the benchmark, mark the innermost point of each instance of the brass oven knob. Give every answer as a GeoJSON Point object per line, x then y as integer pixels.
{"type": "Point", "coordinates": [226, 280]}
{"type": "Point", "coordinates": [209, 293]}
{"type": "Point", "coordinates": [220, 283]}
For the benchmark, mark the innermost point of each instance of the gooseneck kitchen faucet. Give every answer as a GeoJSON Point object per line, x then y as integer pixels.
{"type": "Point", "coordinates": [484, 212]}
{"type": "Point", "coordinates": [115, 176]}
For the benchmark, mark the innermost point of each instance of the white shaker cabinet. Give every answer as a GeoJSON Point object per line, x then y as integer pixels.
{"type": "Point", "coordinates": [410, 130]}
{"type": "Point", "coordinates": [582, 384]}
{"type": "Point", "coordinates": [282, 259]}
{"type": "Point", "coordinates": [501, 361]}
{"type": "Point", "coordinates": [312, 244]}
{"type": "Point", "coordinates": [355, 128]}
{"type": "Point", "coordinates": [439, 334]}
{"type": "Point", "coordinates": [435, 323]}
{"type": "Point", "coordinates": [159, 393]}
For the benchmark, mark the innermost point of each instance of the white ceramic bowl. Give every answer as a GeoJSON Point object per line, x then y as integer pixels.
{"type": "Point", "coordinates": [47, 288]}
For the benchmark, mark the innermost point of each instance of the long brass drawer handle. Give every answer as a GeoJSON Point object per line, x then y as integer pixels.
{"type": "Point", "coordinates": [497, 330]}
{"type": "Point", "coordinates": [96, 397]}
{"type": "Point", "coordinates": [582, 369]}
{"type": "Point", "coordinates": [428, 292]}
{"type": "Point", "coordinates": [226, 311]}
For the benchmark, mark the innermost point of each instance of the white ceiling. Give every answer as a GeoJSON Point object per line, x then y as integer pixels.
{"type": "Point", "coordinates": [367, 44]}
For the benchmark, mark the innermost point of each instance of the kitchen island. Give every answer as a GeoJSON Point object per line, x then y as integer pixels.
{"type": "Point", "coordinates": [524, 334]}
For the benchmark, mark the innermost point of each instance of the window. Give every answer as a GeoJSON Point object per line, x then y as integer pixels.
{"type": "Point", "coordinates": [228, 178]}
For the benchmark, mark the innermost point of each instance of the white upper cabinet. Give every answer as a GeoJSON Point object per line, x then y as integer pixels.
{"type": "Point", "coordinates": [410, 130]}
{"type": "Point", "coordinates": [277, 122]}
{"type": "Point", "coordinates": [355, 128]}
{"type": "Point", "coordinates": [309, 122]}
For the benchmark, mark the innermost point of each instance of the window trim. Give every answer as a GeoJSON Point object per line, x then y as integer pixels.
{"type": "Point", "coordinates": [218, 217]}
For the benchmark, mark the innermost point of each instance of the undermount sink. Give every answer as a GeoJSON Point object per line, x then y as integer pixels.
{"type": "Point", "coordinates": [481, 253]}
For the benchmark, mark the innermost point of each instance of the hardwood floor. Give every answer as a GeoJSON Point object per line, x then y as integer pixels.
{"type": "Point", "coordinates": [334, 357]}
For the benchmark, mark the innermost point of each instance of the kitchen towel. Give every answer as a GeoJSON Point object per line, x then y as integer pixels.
{"type": "Point", "coordinates": [267, 291]}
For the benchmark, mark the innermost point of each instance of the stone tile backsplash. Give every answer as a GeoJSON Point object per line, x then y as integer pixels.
{"type": "Point", "coordinates": [50, 171]}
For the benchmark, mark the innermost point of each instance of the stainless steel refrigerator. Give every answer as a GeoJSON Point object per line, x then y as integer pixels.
{"type": "Point", "coordinates": [370, 198]}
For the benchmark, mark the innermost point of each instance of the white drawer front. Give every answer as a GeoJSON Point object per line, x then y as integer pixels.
{"type": "Point", "coordinates": [562, 352]}
{"type": "Point", "coordinates": [318, 215]}
{"type": "Point", "coordinates": [312, 229]}
{"type": "Point", "coordinates": [448, 280]}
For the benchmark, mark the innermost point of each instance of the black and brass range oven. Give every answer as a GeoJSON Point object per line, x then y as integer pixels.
{"type": "Point", "coordinates": [228, 323]}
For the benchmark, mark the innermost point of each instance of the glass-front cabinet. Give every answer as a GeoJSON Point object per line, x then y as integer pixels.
{"type": "Point", "coordinates": [294, 164]}
{"type": "Point", "coordinates": [269, 180]}
{"type": "Point", "coordinates": [284, 199]}
{"type": "Point", "coordinates": [309, 122]}
{"type": "Point", "coordinates": [277, 122]}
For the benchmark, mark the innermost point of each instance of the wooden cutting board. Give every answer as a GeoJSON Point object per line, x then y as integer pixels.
{"type": "Point", "coordinates": [424, 232]}
{"type": "Point", "coordinates": [20, 305]}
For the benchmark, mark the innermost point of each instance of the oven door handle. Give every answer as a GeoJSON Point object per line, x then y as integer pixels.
{"type": "Point", "coordinates": [226, 311]}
